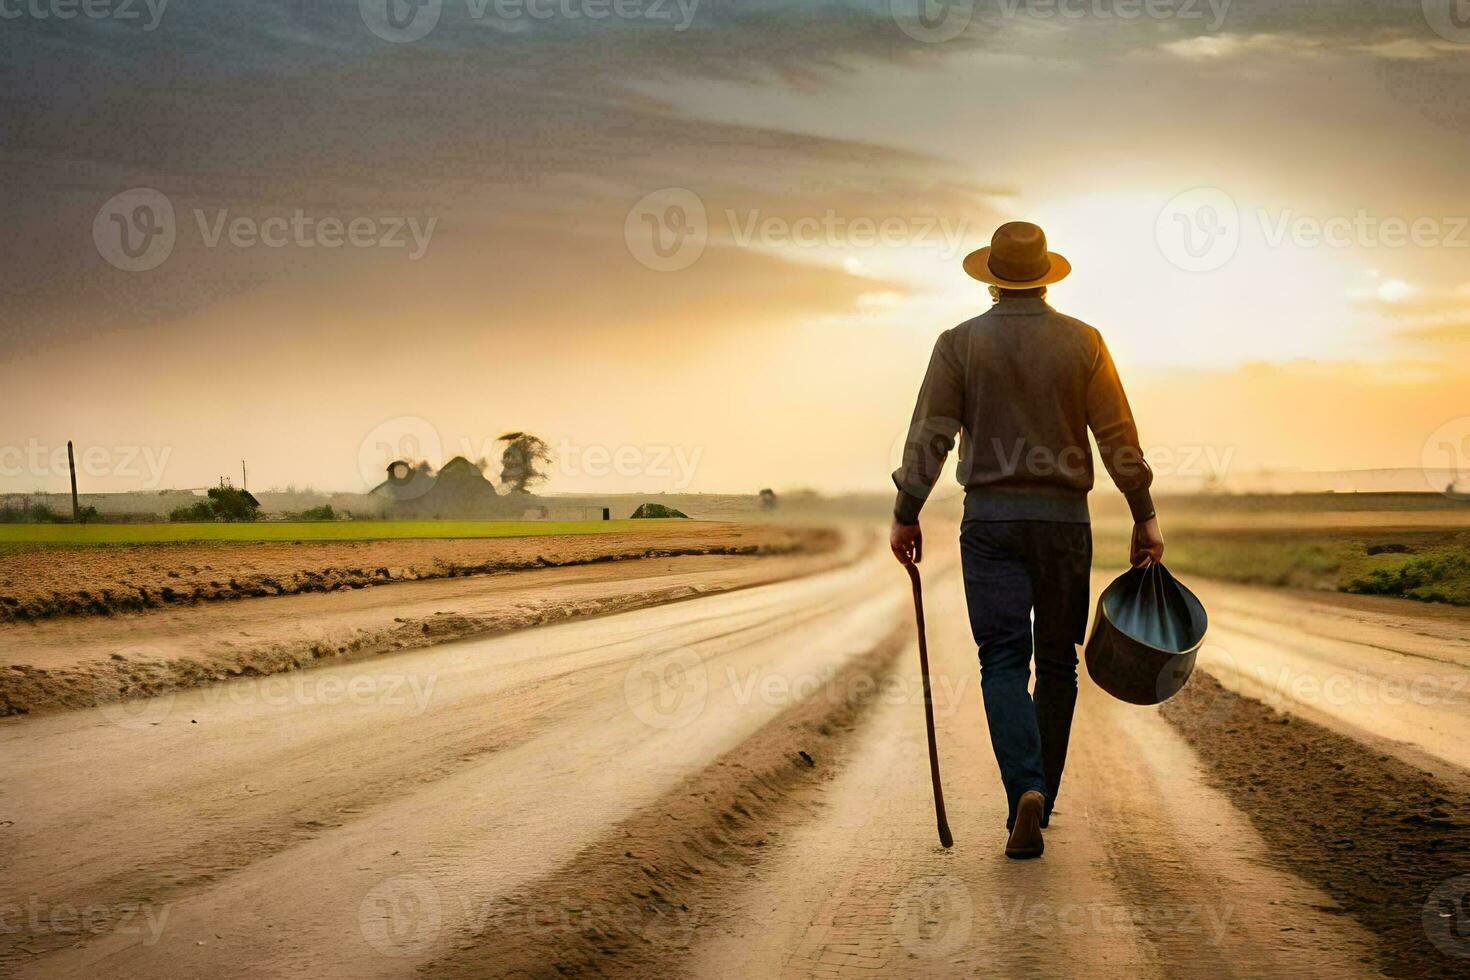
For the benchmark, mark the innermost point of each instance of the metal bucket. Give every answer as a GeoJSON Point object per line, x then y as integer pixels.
{"type": "Point", "coordinates": [1145, 636]}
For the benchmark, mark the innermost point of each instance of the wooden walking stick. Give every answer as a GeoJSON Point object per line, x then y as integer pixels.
{"type": "Point", "coordinates": [945, 838]}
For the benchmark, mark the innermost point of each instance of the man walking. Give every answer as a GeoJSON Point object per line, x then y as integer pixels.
{"type": "Point", "coordinates": [1021, 385]}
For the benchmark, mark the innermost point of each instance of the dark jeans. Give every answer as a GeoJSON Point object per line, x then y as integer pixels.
{"type": "Point", "coordinates": [1010, 569]}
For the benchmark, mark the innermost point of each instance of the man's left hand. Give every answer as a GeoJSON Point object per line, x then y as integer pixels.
{"type": "Point", "coordinates": [907, 542]}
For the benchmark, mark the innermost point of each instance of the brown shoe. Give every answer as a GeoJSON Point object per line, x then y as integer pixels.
{"type": "Point", "coordinates": [1026, 839]}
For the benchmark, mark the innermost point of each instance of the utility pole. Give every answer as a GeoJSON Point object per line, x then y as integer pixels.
{"type": "Point", "coordinates": [71, 462]}
{"type": "Point", "coordinates": [244, 484]}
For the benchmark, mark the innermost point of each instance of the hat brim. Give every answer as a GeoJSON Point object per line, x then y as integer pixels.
{"type": "Point", "coordinates": [977, 266]}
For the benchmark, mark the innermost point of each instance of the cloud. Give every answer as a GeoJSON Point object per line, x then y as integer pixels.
{"type": "Point", "coordinates": [1452, 332]}
{"type": "Point", "coordinates": [1220, 47]}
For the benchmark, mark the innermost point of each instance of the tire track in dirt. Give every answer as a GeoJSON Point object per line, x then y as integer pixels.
{"type": "Point", "coordinates": [629, 904]}
{"type": "Point", "coordinates": [523, 711]}
{"type": "Point", "coordinates": [1384, 839]}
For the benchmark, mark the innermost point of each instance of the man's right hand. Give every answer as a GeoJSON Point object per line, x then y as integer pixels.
{"type": "Point", "coordinates": [1147, 546]}
{"type": "Point", "coordinates": [907, 543]}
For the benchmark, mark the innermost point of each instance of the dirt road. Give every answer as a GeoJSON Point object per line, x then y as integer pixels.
{"type": "Point", "coordinates": [733, 785]}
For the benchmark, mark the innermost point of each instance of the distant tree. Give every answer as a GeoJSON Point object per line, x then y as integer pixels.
{"type": "Point", "coordinates": [233, 504]}
{"type": "Point", "coordinates": [521, 462]}
{"type": "Point", "coordinates": [225, 503]}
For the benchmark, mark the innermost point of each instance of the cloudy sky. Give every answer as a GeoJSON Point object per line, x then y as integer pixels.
{"type": "Point", "coordinates": [708, 245]}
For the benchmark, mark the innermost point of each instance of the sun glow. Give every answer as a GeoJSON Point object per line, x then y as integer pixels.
{"type": "Point", "coordinates": [1267, 300]}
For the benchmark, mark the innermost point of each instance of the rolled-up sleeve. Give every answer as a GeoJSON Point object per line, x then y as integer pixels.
{"type": "Point", "coordinates": [932, 431]}
{"type": "Point", "coordinates": [1111, 421]}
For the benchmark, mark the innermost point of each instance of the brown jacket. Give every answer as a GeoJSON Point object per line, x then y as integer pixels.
{"type": "Point", "coordinates": [1022, 384]}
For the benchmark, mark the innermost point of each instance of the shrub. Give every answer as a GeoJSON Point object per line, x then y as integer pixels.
{"type": "Point", "coordinates": [657, 510]}
{"type": "Point", "coordinates": [1441, 578]}
{"type": "Point", "coordinates": [28, 513]}
{"type": "Point", "coordinates": [198, 511]}
{"type": "Point", "coordinates": [322, 513]}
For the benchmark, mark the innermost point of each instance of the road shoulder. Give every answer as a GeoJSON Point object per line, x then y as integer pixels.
{"type": "Point", "coordinates": [71, 662]}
